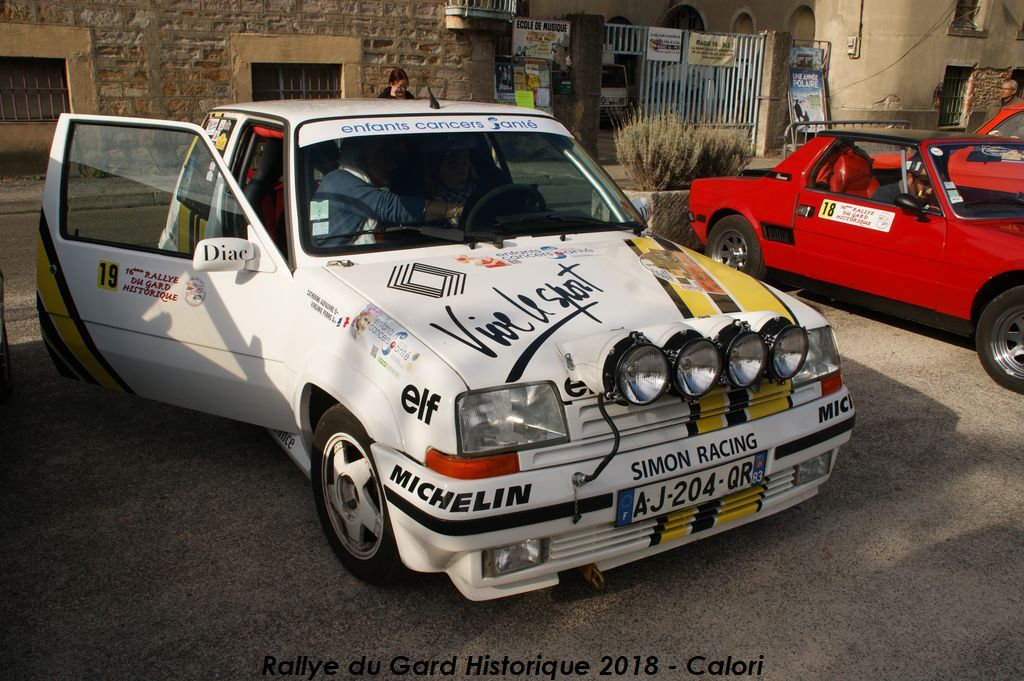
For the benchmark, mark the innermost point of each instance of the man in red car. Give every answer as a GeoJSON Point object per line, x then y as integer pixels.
{"type": "Point", "coordinates": [918, 186]}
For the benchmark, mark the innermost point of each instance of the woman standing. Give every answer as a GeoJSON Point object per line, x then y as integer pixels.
{"type": "Point", "coordinates": [398, 86]}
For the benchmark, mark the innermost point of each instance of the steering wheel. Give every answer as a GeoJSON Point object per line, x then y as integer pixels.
{"type": "Point", "coordinates": [503, 200]}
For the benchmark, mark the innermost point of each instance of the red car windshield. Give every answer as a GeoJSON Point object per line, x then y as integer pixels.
{"type": "Point", "coordinates": [982, 180]}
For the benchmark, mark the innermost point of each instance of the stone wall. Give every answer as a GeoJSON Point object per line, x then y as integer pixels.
{"type": "Point", "coordinates": [983, 92]}
{"type": "Point", "coordinates": [172, 58]}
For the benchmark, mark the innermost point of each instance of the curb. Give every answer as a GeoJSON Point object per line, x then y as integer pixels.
{"type": "Point", "coordinates": [19, 207]}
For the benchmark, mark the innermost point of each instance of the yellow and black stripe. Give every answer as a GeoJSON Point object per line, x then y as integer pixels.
{"type": "Point", "coordinates": [719, 297]}
{"type": "Point", "coordinates": [704, 516]}
{"type": "Point", "coordinates": [725, 290]}
{"type": "Point", "coordinates": [724, 407]}
{"type": "Point", "coordinates": [65, 334]}
{"type": "Point", "coordinates": [669, 287]}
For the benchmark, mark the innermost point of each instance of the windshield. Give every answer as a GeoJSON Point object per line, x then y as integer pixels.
{"type": "Point", "coordinates": [361, 193]}
{"type": "Point", "coordinates": [982, 180]}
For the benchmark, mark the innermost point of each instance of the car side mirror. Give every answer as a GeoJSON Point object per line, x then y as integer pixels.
{"type": "Point", "coordinates": [227, 254]}
{"type": "Point", "coordinates": [909, 204]}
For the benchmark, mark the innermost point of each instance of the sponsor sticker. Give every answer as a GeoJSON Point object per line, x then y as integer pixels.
{"type": "Point", "coordinates": [195, 292]}
{"type": "Point", "coordinates": [519, 255]}
{"type": "Point", "coordinates": [858, 216]}
{"type": "Point", "coordinates": [320, 131]}
{"type": "Point", "coordinates": [388, 343]}
{"type": "Point", "coordinates": [678, 268]}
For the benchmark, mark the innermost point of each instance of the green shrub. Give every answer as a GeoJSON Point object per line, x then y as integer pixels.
{"type": "Point", "coordinates": [661, 152]}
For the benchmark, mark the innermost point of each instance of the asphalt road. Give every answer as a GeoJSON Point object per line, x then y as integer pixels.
{"type": "Point", "coordinates": [141, 541]}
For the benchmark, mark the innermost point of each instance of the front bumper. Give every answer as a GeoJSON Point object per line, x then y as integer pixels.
{"type": "Point", "coordinates": [443, 524]}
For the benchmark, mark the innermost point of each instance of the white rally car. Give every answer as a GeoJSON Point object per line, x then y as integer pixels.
{"type": "Point", "coordinates": [517, 383]}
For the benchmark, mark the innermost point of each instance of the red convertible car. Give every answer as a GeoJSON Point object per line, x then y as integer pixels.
{"type": "Point", "coordinates": [924, 225]}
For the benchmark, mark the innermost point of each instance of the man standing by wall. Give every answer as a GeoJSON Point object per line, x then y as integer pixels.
{"type": "Point", "coordinates": [1007, 95]}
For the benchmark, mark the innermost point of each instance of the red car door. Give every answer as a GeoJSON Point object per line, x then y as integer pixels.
{"type": "Point", "coordinates": [870, 246]}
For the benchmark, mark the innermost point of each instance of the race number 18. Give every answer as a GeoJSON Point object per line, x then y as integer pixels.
{"type": "Point", "coordinates": [828, 209]}
{"type": "Point", "coordinates": [108, 275]}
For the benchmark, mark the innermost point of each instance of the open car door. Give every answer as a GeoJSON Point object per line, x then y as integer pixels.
{"type": "Point", "coordinates": [127, 204]}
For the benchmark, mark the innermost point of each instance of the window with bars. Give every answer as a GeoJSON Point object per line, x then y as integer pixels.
{"type": "Point", "coordinates": [965, 16]}
{"type": "Point", "coordinates": [295, 81]}
{"type": "Point", "coordinates": [33, 89]}
{"type": "Point", "coordinates": [954, 91]}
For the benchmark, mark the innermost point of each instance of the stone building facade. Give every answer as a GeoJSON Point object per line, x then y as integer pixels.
{"type": "Point", "coordinates": [175, 59]}
{"type": "Point", "coordinates": [927, 61]}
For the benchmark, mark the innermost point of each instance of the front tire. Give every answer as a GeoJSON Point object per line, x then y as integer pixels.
{"type": "Point", "coordinates": [734, 243]}
{"type": "Point", "coordinates": [1000, 339]}
{"type": "Point", "coordinates": [350, 499]}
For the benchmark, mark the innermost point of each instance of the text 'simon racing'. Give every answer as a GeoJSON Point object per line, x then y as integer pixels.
{"type": "Point", "coordinates": [452, 321]}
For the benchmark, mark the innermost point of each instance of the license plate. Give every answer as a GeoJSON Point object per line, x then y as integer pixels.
{"type": "Point", "coordinates": [659, 498]}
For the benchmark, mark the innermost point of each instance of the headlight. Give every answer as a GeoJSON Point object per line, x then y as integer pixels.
{"type": "Point", "coordinates": [746, 355]}
{"type": "Point", "coordinates": [822, 357]}
{"type": "Point", "coordinates": [636, 370]}
{"type": "Point", "coordinates": [697, 366]}
{"type": "Point", "coordinates": [788, 347]}
{"type": "Point", "coordinates": [509, 418]}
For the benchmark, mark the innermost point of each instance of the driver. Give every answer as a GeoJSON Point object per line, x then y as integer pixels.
{"type": "Point", "coordinates": [918, 185]}
{"type": "Point", "coordinates": [354, 200]}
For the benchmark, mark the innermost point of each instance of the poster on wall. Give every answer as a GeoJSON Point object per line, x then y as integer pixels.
{"type": "Point", "coordinates": [542, 39]}
{"type": "Point", "coordinates": [504, 83]}
{"type": "Point", "coordinates": [711, 50]}
{"type": "Point", "coordinates": [531, 80]}
{"type": "Point", "coordinates": [806, 96]}
{"type": "Point", "coordinates": [664, 44]}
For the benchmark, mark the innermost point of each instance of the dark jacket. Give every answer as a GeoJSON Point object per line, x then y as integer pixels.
{"type": "Point", "coordinates": [351, 201]}
{"type": "Point", "coordinates": [386, 94]}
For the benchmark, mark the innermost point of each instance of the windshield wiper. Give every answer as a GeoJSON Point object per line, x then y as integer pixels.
{"type": "Point", "coordinates": [446, 233]}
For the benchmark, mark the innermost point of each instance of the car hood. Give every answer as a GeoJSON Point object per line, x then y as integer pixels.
{"type": "Point", "coordinates": [500, 315]}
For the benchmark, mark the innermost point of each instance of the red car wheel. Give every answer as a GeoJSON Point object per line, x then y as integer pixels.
{"type": "Point", "coordinates": [734, 243]}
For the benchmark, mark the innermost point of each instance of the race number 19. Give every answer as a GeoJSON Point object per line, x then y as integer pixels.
{"type": "Point", "coordinates": [108, 275]}
{"type": "Point", "coordinates": [828, 209]}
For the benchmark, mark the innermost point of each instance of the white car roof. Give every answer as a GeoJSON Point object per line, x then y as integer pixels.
{"type": "Point", "coordinates": [297, 111]}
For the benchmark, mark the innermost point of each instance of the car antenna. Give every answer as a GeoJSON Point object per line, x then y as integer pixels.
{"type": "Point", "coordinates": [433, 100]}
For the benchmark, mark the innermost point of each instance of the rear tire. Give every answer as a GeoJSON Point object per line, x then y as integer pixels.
{"type": "Point", "coordinates": [734, 243]}
{"type": "Point", "coordinates": [1000, 339]}
{"type": "Point", "coordinates": [350, 499]}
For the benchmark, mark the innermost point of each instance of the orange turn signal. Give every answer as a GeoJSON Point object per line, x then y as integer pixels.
{"type": "Point", "coordinates": [472, 469]}
{"type": "Point", "coordinates": [831, 384]}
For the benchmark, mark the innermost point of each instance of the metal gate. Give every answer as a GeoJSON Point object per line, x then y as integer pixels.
{"type": "Point", "coordinates": [721, 96]}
